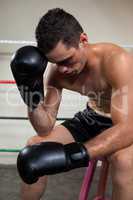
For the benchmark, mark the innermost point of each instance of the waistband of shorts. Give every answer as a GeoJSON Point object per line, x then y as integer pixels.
{"type": "Point", "coordinates": [91, 110]}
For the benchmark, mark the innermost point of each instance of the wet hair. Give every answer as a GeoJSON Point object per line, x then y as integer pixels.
{"type": "Point", "coordinates": [57, 25]}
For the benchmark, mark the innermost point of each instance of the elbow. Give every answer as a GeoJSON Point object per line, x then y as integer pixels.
{"type": "Point", "coordinates": [125, 127]}
{"type": "Point", "coordinates": [45, 129]}
{"type": "Point", "coordinates": [42, 123]}
{"type": "Point", "coordinates": [129, 128]}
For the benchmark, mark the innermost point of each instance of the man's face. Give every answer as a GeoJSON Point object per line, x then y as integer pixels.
{"type": "Point", "coordinates": [69, 61]}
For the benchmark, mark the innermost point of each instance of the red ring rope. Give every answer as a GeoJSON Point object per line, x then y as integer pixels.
{"type": "Point", "coordinates": [7, 82]}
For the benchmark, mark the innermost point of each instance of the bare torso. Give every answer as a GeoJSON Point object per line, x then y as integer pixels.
{"type": "Point", "coordinates": [93, 83]}
{"type": "Point", "coordinates": [96, 88]}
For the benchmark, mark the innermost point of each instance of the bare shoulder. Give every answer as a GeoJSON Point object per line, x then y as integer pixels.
{"type": "Point", "coordinates": [118, 65]}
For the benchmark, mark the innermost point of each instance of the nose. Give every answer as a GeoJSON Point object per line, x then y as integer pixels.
{"type": "Point", "coordinates": [63, 69]}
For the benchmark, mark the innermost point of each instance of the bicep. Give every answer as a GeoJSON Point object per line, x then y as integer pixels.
{"type": "Point", "coordinates": [122, 104]}
{"type": "Point", "coordinates": [119, 105]}
{"type": "Point", "coordinates": [120, 78]}
{"type": "Point", "coordinates": [52, 99]}
{"type": "Point", "coordinates": [52, 92]}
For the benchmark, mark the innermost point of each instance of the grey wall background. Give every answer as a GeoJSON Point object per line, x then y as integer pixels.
{"type": "Point", "coordinates": [103, 20]}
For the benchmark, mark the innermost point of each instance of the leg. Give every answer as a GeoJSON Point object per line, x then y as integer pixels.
{"type": "Point", "coordinates": [80, 128]}
{"type": "Point", "coordinates": [121, 164]}
{"type": "Point", "coordinates": [35, 191]}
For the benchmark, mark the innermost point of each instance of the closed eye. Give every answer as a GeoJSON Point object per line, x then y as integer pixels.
{"type": "Point", "coordinates": [66, 61]}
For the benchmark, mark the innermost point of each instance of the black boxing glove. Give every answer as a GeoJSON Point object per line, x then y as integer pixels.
{"type": "Point", "coordinates": [50, 158]}
{"type": "Point", "coordinates": [28, 65]}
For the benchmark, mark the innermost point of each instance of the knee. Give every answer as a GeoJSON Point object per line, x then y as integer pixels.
{"type": "Point", "coordinates": [121, 165]}
{"type": "Point", "coordinates": [121, 161]}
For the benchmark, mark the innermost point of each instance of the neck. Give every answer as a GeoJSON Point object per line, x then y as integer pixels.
{"type": "Point", "coordinates": [93, 56]}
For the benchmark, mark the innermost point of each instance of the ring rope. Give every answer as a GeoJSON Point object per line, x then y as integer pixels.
{"type": "Point", "coordinates": [33, 42]}
{"type": "Point", "coordinates": [10, 150]}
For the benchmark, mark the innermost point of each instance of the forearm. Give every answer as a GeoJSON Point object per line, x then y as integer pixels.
{"type": "Point", "coordinates": [41, 120]}
{"type": "Point", "coordinates": [111, 140]}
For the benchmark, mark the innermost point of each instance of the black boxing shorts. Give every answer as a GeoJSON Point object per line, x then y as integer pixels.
{"type": "Point", "coordinates": [87, 124]}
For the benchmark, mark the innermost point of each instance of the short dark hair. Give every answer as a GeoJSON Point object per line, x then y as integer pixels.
{"type": "Point", "coordinates": [57, 25]}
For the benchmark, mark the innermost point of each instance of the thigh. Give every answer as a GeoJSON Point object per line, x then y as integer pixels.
{"type": "Point", "coordinates": [87, 124]}
{"type": "Point", "coordinates": [58, 134]}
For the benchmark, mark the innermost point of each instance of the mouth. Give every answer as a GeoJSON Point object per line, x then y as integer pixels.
{"type": "Point", "coordinates": [71, 73]}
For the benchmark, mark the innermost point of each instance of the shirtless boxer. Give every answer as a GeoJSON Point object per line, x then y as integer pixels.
{"type": "Point", "coordinates": [101, 71]}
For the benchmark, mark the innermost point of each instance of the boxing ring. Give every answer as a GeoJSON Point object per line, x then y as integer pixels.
{"type": "Point", "coordinates": [90, 170]}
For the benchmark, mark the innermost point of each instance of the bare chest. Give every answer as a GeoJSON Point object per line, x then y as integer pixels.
{"type": "Point", "coordinates": [95, 87]}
